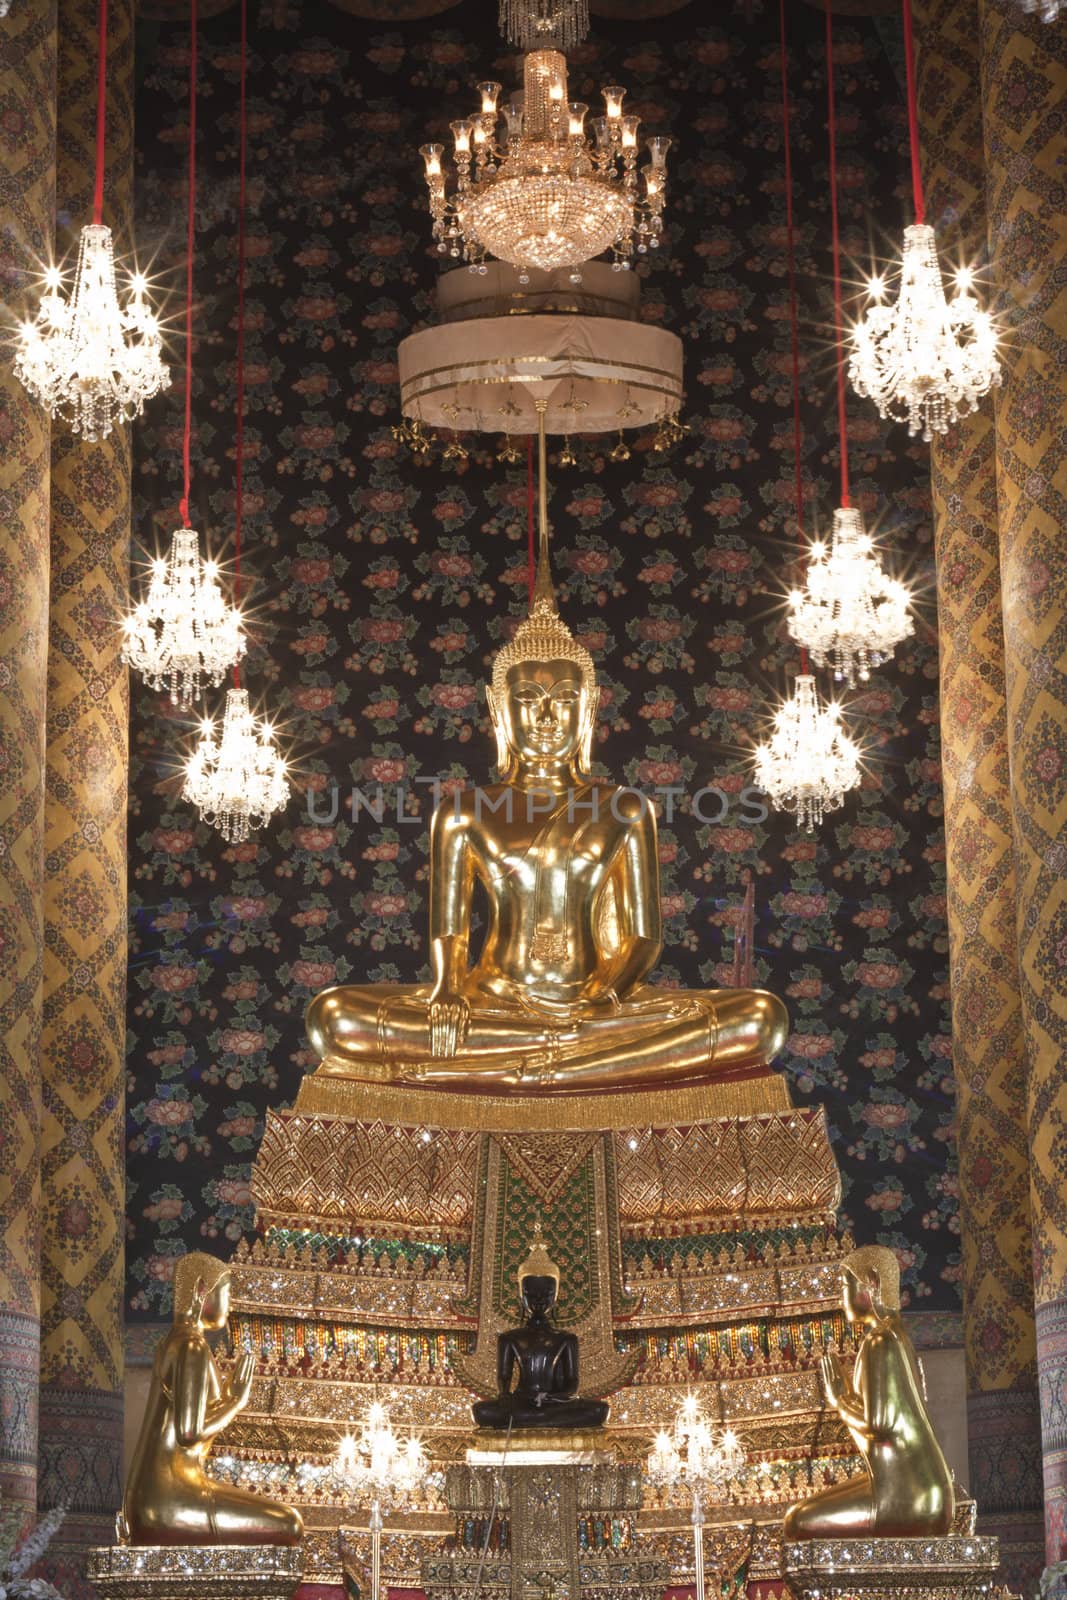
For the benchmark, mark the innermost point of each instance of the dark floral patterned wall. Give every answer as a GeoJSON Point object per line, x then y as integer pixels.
{"type": "Point", "coordinates": [380, 587]}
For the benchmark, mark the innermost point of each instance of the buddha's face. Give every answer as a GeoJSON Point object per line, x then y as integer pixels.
{"type": "Point", "coordinates": [544, 711]}
{"type": "Point", "coordinates": [538, 1295]}
{"type": "Point", "coordinates": [215, 1310]}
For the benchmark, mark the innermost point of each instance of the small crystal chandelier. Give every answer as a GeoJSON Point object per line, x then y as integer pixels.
{"type": "Point", "coordinates": [184, 631]}
{"type": "Point", "coordinates": [236, 782]}
{"type": "Point", "coordinates": [849, 613]}
{"type": "Point", "coordinates": [87, 358]}
{"type": "Point", "coordinates": [809, 763]}
{"type": "Point", "coordinates": [924, 360]}
{"type": "Point", "coordinates": [535, 24]}
{"type": "Point", "coordinates": [547, 195]}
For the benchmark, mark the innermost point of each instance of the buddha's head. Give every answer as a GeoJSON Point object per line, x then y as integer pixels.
{"type": "Point", "coordinates": [870, 1281]}
{"type": "Point", "coordinates": [543, 696]}
{"type": "Point", "coordinates": [538, 1278]}
{"type": "Point", "coordinates": [202, 1289]}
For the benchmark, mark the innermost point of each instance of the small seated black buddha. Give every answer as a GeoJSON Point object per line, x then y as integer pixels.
{"type": "Point", "coordinates": [545, 1358]}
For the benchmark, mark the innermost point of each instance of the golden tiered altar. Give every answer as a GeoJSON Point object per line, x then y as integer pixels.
{"type": "Point", "coordinates": [695, 1229]}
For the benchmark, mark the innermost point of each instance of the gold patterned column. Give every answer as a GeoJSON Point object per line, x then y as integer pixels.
{"type": "Point", "coordinates": [27, 165]}
{"type": "Point", "coordinates": [1024, 88]}
{"type": "Point", "coordinates": [83, 1067]}
{"type": "Point", "coordinates": [987, 1024]}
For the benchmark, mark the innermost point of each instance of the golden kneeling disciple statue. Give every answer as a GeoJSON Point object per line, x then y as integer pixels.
{"type": "Point", "coordinates": [169, 1497]}
{"type": "Point", "coordinates": [907, 1491]}
{"type": "Point", "coordinates": [555, 996]}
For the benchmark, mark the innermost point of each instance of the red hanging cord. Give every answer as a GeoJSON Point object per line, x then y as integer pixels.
{"type": "Point", "coordinates": [794, 336]}
{"type": "Point", "coordinates": [238, 507]}
{"type": "Point", "coordinates": [913, 117]}
{"type": "Point", "coordinates": [531, 542]}
{"type": "Point", "coordinates": [101, 110]}
{"type": "Point", "coordinates": [189, 244]}
{"type": "Point", "coordinates": [839, 321]}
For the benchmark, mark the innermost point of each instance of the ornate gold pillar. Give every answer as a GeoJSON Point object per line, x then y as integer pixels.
{"type": "Point", "coordinates": [83, 1034]}
{"type": "Point", "coordinates": [1024, 87]}
{"type": "Point", "coordinates": [987, 1023]}
{"type": "Point", "coordinates": [28, 163]}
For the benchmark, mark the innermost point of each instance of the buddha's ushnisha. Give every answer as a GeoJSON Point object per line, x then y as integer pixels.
{"type": "Point", "coordinates": [556, 994]}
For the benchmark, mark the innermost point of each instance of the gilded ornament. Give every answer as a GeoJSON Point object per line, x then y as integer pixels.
{"type": "Point", "coordinates": [170, 1499]}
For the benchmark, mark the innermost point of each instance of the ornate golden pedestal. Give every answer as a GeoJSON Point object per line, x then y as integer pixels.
{"type": "Point", "coordinates": [696, 1236]}
{"type": "Point", "coordinates": [553, 1516]}
{"type": "Point", "coordinates": [957, 1567]}
{"type": "Point", "coordinates": [194, 1571]}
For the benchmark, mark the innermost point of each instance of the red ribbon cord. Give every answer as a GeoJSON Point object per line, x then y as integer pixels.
{"type": "Point", "coordinates": [913, 117]}
{"type": "Point", "coordinates": [238, 508]}
{"type": "Point", "coordinates": [189, 244]}
{"type": "Point", "coordinates": [839, 321]}
{"type": "Point", "coordinates": [793, 329]}
{"type": "Point", "coordinates": [101, 110]}
{"type": "Point", "coordinates": [531, 544]}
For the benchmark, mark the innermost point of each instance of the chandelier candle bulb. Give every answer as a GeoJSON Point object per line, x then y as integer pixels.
{"type": "Point", "coordinates": [924, 360]}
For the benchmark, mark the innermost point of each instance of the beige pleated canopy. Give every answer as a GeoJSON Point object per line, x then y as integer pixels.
{"type": "Point", "coordinates": [548, 340]}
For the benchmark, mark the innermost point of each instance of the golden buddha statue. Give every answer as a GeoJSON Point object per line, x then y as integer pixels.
{"type": "Point", "coordinates": [169, 1497]}
{"type": "Point", "coordinates": [555, 997]}
{"type": "Point", "coordinates": [907, 1491]}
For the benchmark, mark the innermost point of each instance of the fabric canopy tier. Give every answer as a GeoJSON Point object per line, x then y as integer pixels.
{"type": "Point", "coordinates": [501, 347]}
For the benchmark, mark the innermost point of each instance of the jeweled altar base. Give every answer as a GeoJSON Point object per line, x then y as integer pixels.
{"type": "Point", "coordinates": [195, 1571]}
{"type": "Point", "coordinates": [567, 1527]}
{"type": "Point", "coordinates": [960, 1565]}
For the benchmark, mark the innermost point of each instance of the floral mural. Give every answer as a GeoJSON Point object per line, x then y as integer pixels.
{"type": "Point", "coordinates": [379, 586]}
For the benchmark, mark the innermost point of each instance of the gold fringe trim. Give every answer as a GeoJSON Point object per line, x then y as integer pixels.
{"type": "Point", "coordinates": [655, 1107]}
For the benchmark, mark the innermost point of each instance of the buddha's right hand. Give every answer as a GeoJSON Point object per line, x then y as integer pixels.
{"type": "Point", "coordinates": [450, 1017]}
{"type": "Point", "coordinates": [240, 1384]}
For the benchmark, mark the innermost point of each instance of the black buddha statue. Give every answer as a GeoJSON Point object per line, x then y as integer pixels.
{"type": "Point", "coordinates": [545, 1359]}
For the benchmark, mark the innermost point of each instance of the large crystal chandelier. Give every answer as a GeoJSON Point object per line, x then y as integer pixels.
{"type": "Point", "coordinates": [809, 763]}
{"type": "Point", "coordinates": [237, 781]}
{"type": "Point", "coordinates": [88, 358]}
{"type": "Point", "coordinates": [924, 360]}
{"type": "Point", "coordinates": [546, 194]}
{"type": "Point", "coordinates": [184, 631]}
{"type": "Point", "coordinates": [849, 614]}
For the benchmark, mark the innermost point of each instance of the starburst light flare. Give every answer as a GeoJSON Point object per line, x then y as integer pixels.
{"type": "Point", "coordinates": [238, 781]}
{"type": "Point", "coordinates": [184, 632]}
{"type": "Point", "coordinates": [88, 358]}
{"type": "Point", "coordinates": [849, 614]}
{"type": "Point", "coordinates": [809, 763]}
{"type": "Point", "coordinates": [922, 359]}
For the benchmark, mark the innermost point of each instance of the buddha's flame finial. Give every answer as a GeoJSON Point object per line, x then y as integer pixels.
{"type": "Point", "coordinates": [544, 595]}
{"type": "Point", "coordinates": [543, 635]}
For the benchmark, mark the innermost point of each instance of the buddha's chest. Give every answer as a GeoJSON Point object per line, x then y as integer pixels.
{"type": "Point", "coordinates": [520, 862]}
